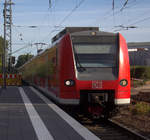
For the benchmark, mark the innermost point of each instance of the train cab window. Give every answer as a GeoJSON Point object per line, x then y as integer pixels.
{"type": "Point", "coordinates": [95, 55]}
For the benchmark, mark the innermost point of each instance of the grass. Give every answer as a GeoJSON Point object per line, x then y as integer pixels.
{"type": "Point", "coordinates": [140, 72]}
{"type": "Point", "coordinates": [140, 108]}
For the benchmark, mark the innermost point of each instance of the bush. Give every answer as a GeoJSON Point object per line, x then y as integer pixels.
{"type": "Point", "coordinates": [140, 72]}
{"type": "Point", "coordinates": [140, 108]}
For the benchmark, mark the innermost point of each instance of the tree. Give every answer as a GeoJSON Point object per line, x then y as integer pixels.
{"type": "Point", "coordinates": [22, 59]}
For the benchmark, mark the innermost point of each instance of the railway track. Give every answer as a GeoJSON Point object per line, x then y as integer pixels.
{"type": "Point", "coordinates": [109, 130]}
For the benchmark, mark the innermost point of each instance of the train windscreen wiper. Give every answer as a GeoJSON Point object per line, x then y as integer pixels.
{"type": "Point", "coordinates": [80, 68]}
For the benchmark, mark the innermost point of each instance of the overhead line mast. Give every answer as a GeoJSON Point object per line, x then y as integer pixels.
{"type": "Point", "coordinates": [8, 28]}
{"type": "Point", "coordinates": [7, 48]}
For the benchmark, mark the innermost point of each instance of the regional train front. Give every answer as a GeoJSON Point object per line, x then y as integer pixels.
{"type": "Point", "coordinates": [102, 71]}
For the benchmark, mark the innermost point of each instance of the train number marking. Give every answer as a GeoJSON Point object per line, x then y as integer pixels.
{"type": "Point", "coordinates": [96, 84]}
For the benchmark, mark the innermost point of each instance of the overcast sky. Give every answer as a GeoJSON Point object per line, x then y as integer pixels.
{"type": "Point", "coordinates": [62, 13]}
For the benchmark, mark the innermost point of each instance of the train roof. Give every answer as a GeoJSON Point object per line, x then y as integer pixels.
{"type": "Point", "coordinates": [92, 33]}
{"type": "Point", "coordinates": [73, 30]}
{"type": "Point", "coordinates": [94, 37]}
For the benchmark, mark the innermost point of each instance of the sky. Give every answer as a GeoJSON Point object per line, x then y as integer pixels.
{"type": "Point", "coordinates": [50, 19]}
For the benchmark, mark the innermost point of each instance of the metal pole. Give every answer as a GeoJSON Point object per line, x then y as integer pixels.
{"type": "Point", "coordinates": [4, 48]}
{"type": "Point", "coordinates": [10, 56]}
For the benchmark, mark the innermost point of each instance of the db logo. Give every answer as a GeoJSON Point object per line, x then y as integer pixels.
{"type": "Point", "coordinates": [96, 84]}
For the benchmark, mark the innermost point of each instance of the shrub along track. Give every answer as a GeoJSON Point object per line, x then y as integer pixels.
{"type": "Point", "coordinates": [137, 114]}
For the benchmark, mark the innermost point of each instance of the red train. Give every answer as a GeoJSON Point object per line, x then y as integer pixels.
{"type": "Point", "coordinates": [84, 67]}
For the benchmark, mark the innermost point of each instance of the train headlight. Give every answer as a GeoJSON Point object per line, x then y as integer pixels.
{"type": "Point", "coordinates": [93, 33]}
{"type": "Point", "coordinates": [123, 82]}
{"type": "Point", "coordinates": [69, 82]}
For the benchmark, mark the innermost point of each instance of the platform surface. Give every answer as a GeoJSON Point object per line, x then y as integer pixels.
{"type": "Point", "coordinates": [25, 114]}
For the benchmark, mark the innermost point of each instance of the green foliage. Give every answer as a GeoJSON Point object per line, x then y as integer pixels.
{"type": "Point", "coordinates": [45, 69]}
{"type": "Point", "coordinates": [22, 59]}
{"type": "Point", "coordinates": [42, 70]}
{"type": "Point", "coordinates": [41, 66]}
{"type": "Point", "coordinates": [140, 72]}
{"type": "Point", "coordinates": [140, 108]}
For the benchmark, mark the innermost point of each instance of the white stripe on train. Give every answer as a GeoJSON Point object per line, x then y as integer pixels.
{"type": "Point", "coordinates": [122, 101]}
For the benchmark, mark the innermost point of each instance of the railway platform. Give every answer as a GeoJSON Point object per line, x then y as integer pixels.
{"type": "Point", "coordinates": [25, 114]}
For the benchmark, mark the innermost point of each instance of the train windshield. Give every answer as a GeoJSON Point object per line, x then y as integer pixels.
{"type": "Point", "coordinates": [95, 55]}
